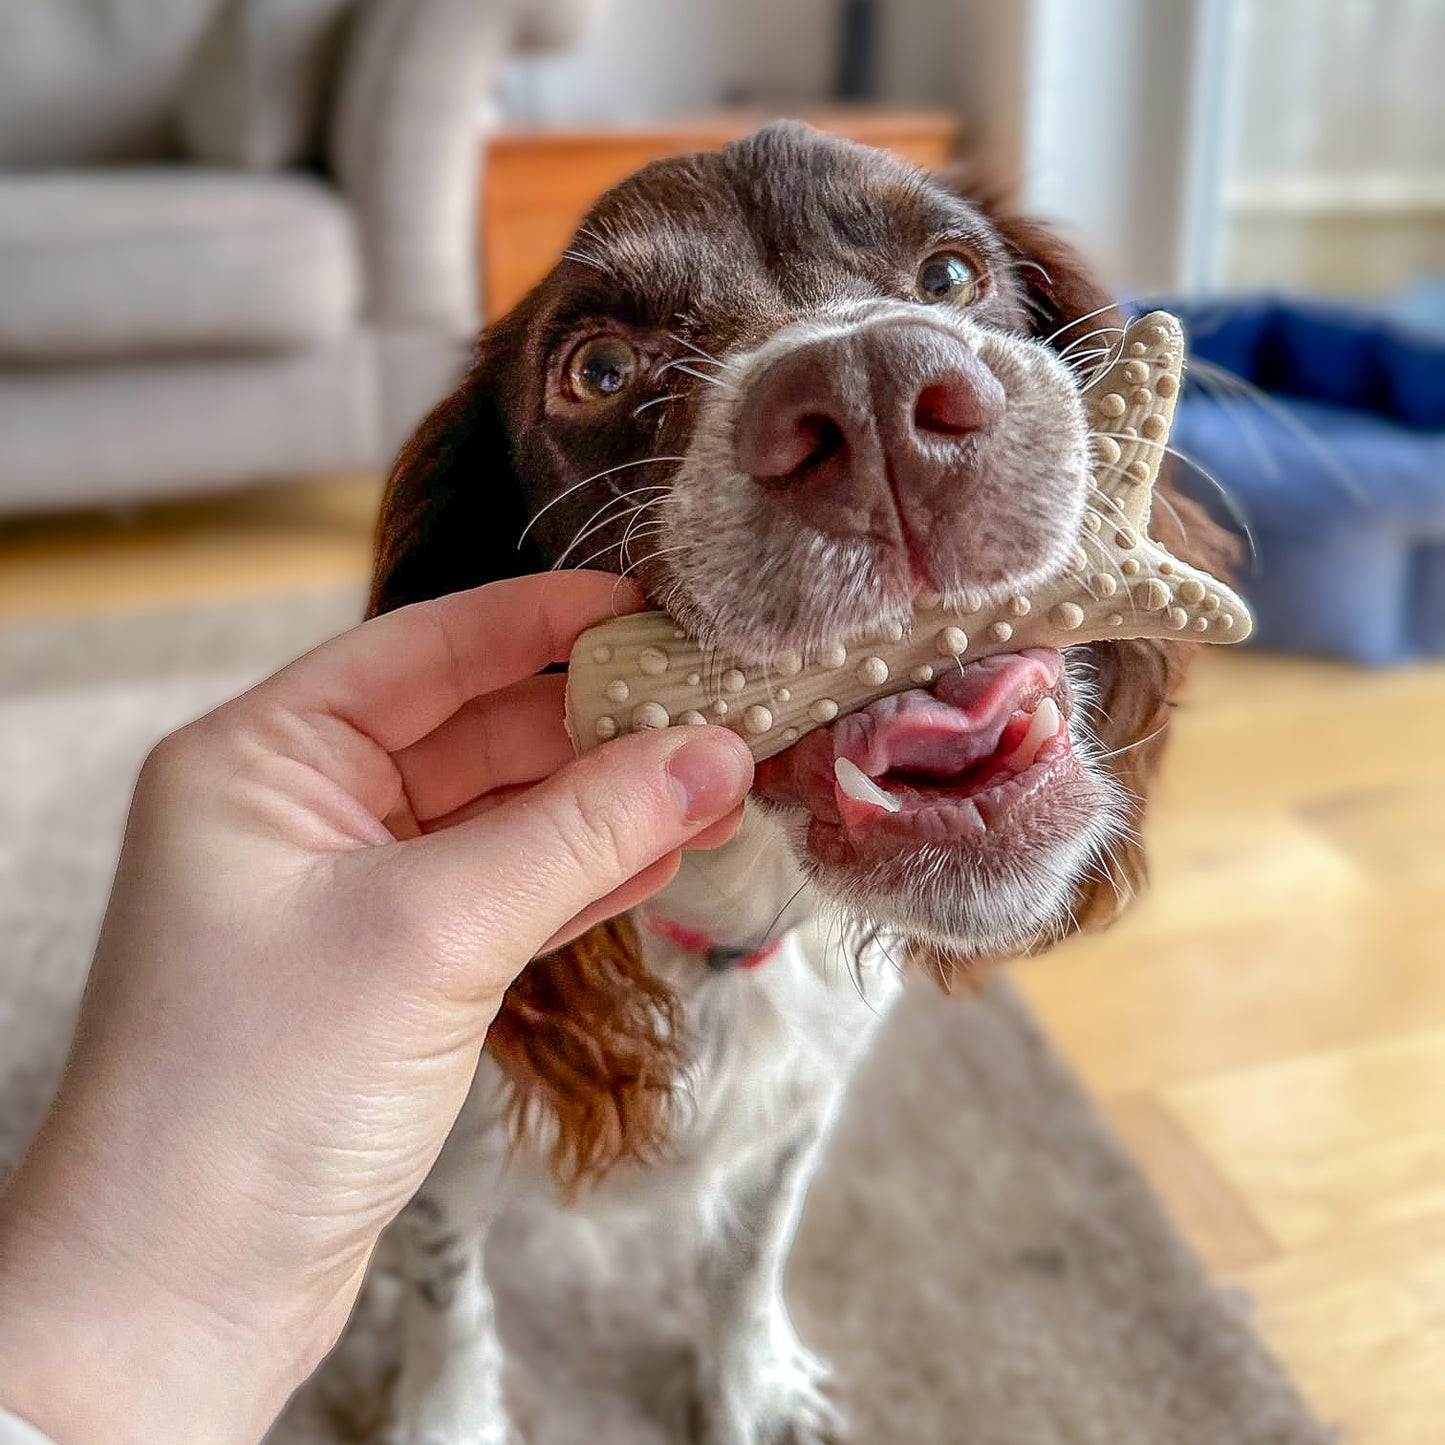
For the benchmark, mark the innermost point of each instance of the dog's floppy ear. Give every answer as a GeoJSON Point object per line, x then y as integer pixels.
{"type": "Point", "coordinates": [590, 1043]}
{"type": "Point", "coordinates": [1065, 302]}
{"type": "Point", "coordinates": [456, 505]}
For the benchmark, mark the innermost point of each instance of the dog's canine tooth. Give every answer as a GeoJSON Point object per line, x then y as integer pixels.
{"type": "Point", "coordinates": [1119, 583]}
{"type": "Point", "coordinates": [1044, 724]}
{"type": "Point", "coordinates": [861, 788]}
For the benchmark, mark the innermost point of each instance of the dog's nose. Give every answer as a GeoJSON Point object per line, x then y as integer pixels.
{"type": "Point", "coordinates": [845, 430]}
{"type": "Point", "coordinates": [955, 404]}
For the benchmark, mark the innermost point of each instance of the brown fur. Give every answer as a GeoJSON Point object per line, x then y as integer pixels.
{"type": "Point", "coordinates": [592, 1043]}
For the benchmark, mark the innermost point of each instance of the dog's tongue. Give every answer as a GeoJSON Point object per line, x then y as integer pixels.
{"type": "Point", "coordinates": [950, 726]}
{"type": "Point", "coordinates": [963, 718]}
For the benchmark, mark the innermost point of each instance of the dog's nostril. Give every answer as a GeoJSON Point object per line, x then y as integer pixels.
{"type": "Point", "coordinates": [822, 436]}
{"type": "Point", "coordinates": [785, 441]}
{"type": "Point", "coordinates": [953, 407]}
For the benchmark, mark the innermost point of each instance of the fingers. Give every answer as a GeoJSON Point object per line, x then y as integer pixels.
{"type": "Point", "coordinates": [512, 736]}
{"type": "Point", "coordinates": [721, 832]}
{"type": "Point", "coordinates": [523, 870]}
{"type": "Point", "coordinates": [398, 677]}
{"type": "Point", "coordinates": [711, 837]}
{"type": "Point", "coordinates": [643, 885]}
{"type": "Point", "coordinates": [652, 878]}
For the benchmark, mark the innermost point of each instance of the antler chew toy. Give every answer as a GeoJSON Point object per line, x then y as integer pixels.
{"type": "Point", "coordinates": [643, 671]}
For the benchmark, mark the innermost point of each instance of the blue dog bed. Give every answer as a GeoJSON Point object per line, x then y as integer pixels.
{"type": "Point", "coordinates": [1340, 475]}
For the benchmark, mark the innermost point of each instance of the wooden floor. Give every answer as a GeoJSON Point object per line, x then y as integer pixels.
{"type": "Point", "coordinates": [267, 540]}
{"type": "Point", "coordinates": [1266, 1029]}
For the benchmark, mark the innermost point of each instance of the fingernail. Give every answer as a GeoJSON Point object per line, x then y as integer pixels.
{"type": "Point", "coordinates": [710, 774]}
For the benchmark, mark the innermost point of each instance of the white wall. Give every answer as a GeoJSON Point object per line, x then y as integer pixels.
{"type": "Point", "coordinates": [988, 70]}
{"type": "Point", "coordinates": [1104, 115]}
{"type": "Point", "coordinates": [648, 58]}
{"type": "Point", "coordinates": [1115, 132]}
{"type": "Point", "coordinates": [653, 59]}
{"type": "Point", "coordinates": [1092, 106]}
{"type": "Point", "coordinates": [1336, 176]}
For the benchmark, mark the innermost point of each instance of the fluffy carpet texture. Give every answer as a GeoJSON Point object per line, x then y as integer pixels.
{"type": "Point", "coordinates": [979, 1260]}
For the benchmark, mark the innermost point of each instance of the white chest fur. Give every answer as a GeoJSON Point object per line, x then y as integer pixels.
{"type": "Point", "coordinates": [771, 1045]}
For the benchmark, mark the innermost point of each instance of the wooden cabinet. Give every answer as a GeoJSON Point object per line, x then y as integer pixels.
{"type": "Point", "coordinates": [537, 185]}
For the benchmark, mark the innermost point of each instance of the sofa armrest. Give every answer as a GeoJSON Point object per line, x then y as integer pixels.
{"type": "Point", "coordinates": [405, 144]}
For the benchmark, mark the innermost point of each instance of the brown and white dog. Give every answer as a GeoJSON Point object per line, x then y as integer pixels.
{"type": "Point", "coordinates": [787, 385]}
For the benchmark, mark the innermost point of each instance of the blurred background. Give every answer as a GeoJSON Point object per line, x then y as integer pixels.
{"type": "Point", "coordinates": [244, 246]}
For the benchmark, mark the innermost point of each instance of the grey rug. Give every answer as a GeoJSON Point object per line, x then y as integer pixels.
{"type": "Point", "coordinates": [980, 1261]}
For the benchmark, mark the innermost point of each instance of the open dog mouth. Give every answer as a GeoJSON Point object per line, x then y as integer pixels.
{"type": "Point", "coordinates": [937, 765]}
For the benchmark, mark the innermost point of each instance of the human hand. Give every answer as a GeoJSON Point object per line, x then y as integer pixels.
{"type": "Point", "coordinates": [326, 887]}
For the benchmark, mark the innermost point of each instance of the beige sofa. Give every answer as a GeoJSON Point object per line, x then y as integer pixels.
{"type": "Point", "coordinates": [238, 238]}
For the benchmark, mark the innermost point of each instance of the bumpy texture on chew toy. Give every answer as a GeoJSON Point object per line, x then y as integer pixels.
{"type": "Point", "coordinates": [643, 671]}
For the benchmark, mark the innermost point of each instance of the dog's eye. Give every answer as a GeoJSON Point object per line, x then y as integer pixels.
{"type": "Point", "coordinates": [947, 276]}
{"type": "Point", "coordinates": [601, 368]}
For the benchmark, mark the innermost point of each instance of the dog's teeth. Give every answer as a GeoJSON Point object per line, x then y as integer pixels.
{"type": "Point", "coordinates": [1047, 719]}
{"type": "Point", "coordinates": [1044, 724]}
{"type": "Point", "coordinates": [861, 788]}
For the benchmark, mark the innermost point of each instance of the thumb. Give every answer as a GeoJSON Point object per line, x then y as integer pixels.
{"type": "Point", "coordinates": [539, 859]}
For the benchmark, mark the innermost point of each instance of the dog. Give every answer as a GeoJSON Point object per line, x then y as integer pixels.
{"type": "Point", "coordinates": [787, 385]}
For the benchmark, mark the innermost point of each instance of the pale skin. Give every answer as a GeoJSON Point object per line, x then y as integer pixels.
{"type": "Point", "coordinates": [326, 887]}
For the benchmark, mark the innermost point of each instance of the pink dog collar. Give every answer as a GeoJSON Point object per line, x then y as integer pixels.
{"type": "Point", "coordinates": [720, 957]}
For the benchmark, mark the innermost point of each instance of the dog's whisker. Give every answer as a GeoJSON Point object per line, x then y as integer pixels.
{"type": "Point", "coordinates": [603, 551]}
{"type": "Point", "coordinates": [1109, 506]}
{"type": "Point", "coordinates": [1117, 874]}
{"type": "Point", "coordinates": [588, 481]}
{"type": "Point", "coordinates": [1211, 383]}
{"type": "Point", "coordinates": [1109, 560]}
{"type": "Point", "coordinates": [654, 487]}
{"type": "Point", "coordinates": [779, 915]}
{"type": "Point", "coordinates": [1159, 497]}
{"type": "Point", "coordinates": [657, 401]}
{"type": "Point", "coordinates": [623, 518]}
{"type": "Point", "coordinates": [1023, 264]}
{"type": "Point", "coordinates": [655, 525]}
{"type": "Point", "coordinates": [1103, 367]}
{"type": "Point", "coordinates": [1088, 366]}
{"type": "Point", "coordinates": [701, 359]}
{"type": "Point", "coordinates": [1129, 747]}
{"type": "Point", "coordinates": [686, 366]}
{"type": "Point", "coordinates": [588, 560]}
{"type": "Point", "coordinates": [1229, 386]}
{"type": "Point", "coordinates": [883, 948]}
{"type": "Point", "coordinates": [650, 557]}
{"type": "Point", "coordinates": [598, 519]}
{"type": "Point", "coordinates": [619, 520]}
{"type": "Point", "coordinates": [695, 349]}
{"type": "Point", "coordinates": [1089, 336]}
{"type": "Point", "coordinates": [1237, 516]}
{"type": "Point", "coordinates": [1078, 321]}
